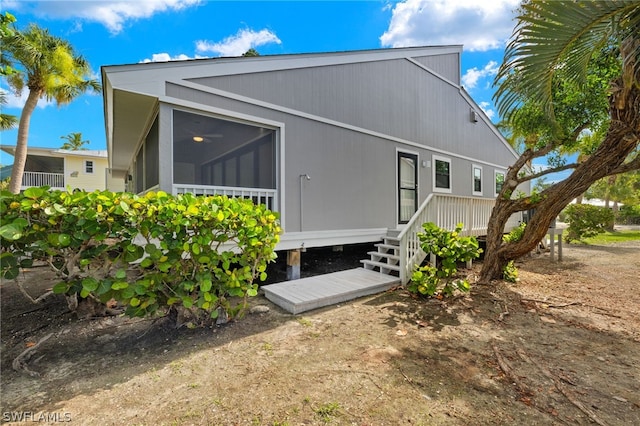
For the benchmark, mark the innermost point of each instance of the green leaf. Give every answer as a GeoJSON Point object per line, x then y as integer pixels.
{"type": "Point", "coordinates": [64, 240]}
{"type": "Point", "coordinates": [60, 288]}
{"type": "Point", "coordinates": [121, 274]}
{"type": "Point", "coordinates": [103, 288]}
{"type": "Point", "coordinates": [119, 285]}
{"type": "Point", "coordinates": [26, 263]}
{"type": "Point", "coordinates": [206, 285]}
{"type": "Point", "coordinates": [34, 192]}
{"type": "Point", "coordinates": [90, 284]}
{"type": "Point", "coordinates": [10, 232]}
{"type": "Point", "coordinates": [146, 262]}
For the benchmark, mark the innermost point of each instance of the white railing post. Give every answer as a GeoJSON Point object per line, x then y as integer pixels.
{"type": "Point", "coordinates": [259, 195]}
{"type": "Point", "coordinates": [54, 180]}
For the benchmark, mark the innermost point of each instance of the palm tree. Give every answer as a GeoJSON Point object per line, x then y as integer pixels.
{"type": "Point", "coordinates": [553, 38]}
{"type": "Point", "coordinates": [74, 142]}
{"type": "Point", "coordinates": [49, 68]}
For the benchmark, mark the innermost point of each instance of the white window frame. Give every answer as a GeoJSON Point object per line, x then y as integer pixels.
{"type": "Point", "coordinates": [435, 158]}
{"type": "Point", "coordinates": [473, 179]}
{"type": "Point", "coordinates": [495, 180]}
{"type": "Point", "coordinates": [89, 164]}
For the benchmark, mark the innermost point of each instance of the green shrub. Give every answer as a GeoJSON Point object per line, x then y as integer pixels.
{"type": "Point", "coordinates": [515, 234]}
{"type": "Point", "coordinates": [587, 221]}
{"type": "Point", "coordinates": [510, 272]}
{"type": "Point", "coordinates": [629, 215]}
{"type": "Point", "coordinates": [149, 252]}
{"type": "Point", "coordinates": [451, 249]}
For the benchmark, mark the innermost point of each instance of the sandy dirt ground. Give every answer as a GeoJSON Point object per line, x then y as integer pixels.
{"type": "Point", "coordinates": [560, 347]}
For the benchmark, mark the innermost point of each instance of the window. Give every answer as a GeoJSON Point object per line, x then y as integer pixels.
{"type": "Point", "coordinates": [441, 174]}
{"type": "Point", "coordinates": [477, 180]}
{"type": "Point", "coordinates": [88, 166]}
{"type": "Point", "coordinates": [499, 181]}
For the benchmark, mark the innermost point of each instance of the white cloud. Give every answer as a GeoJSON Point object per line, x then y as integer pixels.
{"type": "Point", "coordinates": [478, 25]}
{"type": "Point", "coordinates": [111, 14]}
{"type": "Point", "coordinates": [239, 43]}
{"type": "Point", "coordinates": [472, 76]}
{"type": "Point", "coordinates": [164, 57]}
{"type": "Point", "coordinates": [485, 106]}
{"type": "Point", "coordinates": [17, 102]}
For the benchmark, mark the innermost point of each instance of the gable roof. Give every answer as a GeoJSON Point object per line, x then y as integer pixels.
{"type": "Point", "coordinates": [132, 92]}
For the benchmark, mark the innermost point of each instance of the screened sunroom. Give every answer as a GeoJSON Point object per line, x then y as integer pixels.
{"type": "Point", "coordinates": [210, 155]}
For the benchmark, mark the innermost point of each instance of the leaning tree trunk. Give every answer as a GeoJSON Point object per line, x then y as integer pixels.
{"type": "Point", "coordinates": [20, 156]}
{"type": "Point", "coordinates": [622, 138]}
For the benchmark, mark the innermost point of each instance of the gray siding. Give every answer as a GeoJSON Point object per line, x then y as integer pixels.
{"type": "Point", "coordinates": [353, 174]}
{"type": "Point", "coordinates": [395, 98]}
{"type": "Point", "coordinates": [448, 66]}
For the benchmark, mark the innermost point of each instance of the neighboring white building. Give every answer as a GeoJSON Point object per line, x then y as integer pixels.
{"type": "Point", "coordinates": [60, 168]}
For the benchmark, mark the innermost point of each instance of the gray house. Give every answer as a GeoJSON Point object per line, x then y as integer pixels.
{"type": "Point", "coordinates": [348, 147]}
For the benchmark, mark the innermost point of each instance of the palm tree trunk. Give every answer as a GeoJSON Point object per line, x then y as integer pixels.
{"type": "Point", "coordinates": [20, 156]}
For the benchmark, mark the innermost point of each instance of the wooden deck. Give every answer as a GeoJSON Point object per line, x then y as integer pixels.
{"type": "Point", "coordinates": [302, 295]}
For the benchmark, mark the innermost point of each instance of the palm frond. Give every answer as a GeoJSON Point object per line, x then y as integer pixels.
{"type": "Point", "coordinates": [554, 35]}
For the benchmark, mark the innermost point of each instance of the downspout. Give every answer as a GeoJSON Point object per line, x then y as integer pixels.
{"type": "Point", "coordinates": [302, 178]}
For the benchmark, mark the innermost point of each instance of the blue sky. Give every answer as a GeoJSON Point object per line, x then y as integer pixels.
{"type": "Point", "coordinates": [124, 32]}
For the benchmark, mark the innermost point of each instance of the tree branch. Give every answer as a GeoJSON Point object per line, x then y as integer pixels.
{"type": "Point", "coordinates": [628, 167]}
{"type": "Point", "coordinates": [546, 172]}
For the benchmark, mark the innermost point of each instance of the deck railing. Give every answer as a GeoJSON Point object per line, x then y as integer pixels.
{"type": "Point", "coordinates": [54, 180]}
{"type": "Point", "coordinates": [446, 211]}
{"type": "Point", "coordinates": [258, 195]}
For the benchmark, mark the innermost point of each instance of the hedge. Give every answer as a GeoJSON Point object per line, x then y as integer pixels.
{"type": "Point", "coordinates": [148, 252]}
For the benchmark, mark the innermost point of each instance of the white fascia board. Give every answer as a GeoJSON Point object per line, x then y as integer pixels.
{"type": "Point", "coordinates": [432, 72]}
{"type": "Point", "coordinates": [213, 67]}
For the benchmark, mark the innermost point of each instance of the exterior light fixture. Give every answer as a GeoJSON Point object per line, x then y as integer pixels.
{"type": "Point", "coordinates": [198, 138]}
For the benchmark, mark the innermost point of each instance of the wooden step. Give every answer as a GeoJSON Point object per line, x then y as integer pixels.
{"type": "Point", "coordinates": [387, 247]}
{"type": "Point", "coordinates": [382, 254]}
{"type": "Point", "coordinates": [391, 240]}
{"type": "Point", "coordinates": [380, 265]}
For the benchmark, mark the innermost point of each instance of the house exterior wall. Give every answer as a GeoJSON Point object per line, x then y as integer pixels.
{"type": "Point", "coordinates": [394, 97]}
{"type": "Point", "coordinates": [341, 123]}
{"type": "Point", "coordinates": [353, 174]}
{"type": "Point", "coordinates": [97, 180]}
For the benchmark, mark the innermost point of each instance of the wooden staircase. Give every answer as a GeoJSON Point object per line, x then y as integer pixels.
{"type": "Point", "coordinates": [386, 259]}
{"type": "Point", "coordinates": [400, 250]}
